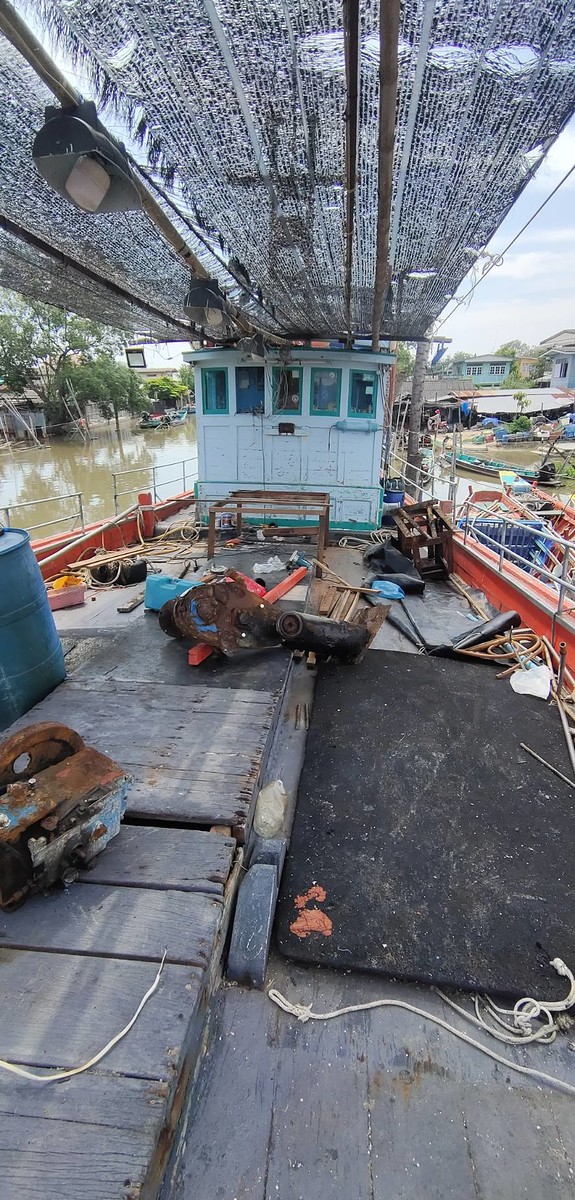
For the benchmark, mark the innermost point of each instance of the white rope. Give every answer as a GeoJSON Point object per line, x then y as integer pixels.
{"type": "Point", "coordinates": [304, 1013]}
{"type": "Point", "coordinates": [516, 1022]}
{"type": "Point", "coordinates": [54, 1076]}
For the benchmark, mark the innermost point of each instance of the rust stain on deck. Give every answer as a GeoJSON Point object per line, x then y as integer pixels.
{"type": "Point", "coordinates": [311, 920]}
{"type": "Point", "coordinates": [313, 893]}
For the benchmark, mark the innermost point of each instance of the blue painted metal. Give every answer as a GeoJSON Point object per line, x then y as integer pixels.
{"type": "Point", "coordinates": [160, 588]}
{"type": "Point", "coordinates": [198, 620]}
{"type": "Point", "coordinates": [31, 656]}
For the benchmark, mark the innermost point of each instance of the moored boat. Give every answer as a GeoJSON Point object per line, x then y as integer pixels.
{"type": "Point", "coordinates": [151, 421]}
{"type": "Point", "coordinates": [491, 467]}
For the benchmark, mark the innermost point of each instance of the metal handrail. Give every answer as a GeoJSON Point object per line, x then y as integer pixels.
{"type": "Point", "coordinates": [564, 585]}
{"type": "Point", "coordinates": [77, 514]}
{"type": "Point", "coordinates": [417, 471]}
{"type": "Point", "coordinates": [186, 475]}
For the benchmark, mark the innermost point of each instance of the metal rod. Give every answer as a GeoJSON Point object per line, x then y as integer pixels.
{"type": "Point", "coordinates": [544, 763]}
{"type": "Point", "coordinates": [563, 584]}
{"type": "Point", "coordinates": [502, 546]}
{"type": "Point", "coordinates": [567, 732]}
{"type": "Point", "coordinates": [351, 51]}
{"type": "Point", "coordinates": [388, 57]}
{"type": "Point", "coordinates": [453, 478]}
{"type": "Point", "coordinates": [44, 500]}
{"type": "Point", "coordinates": [81, 508]}
{"type": "Point", "coordinates": [562, 664]}
{"type": "Point", "coordinates": [85, 536]}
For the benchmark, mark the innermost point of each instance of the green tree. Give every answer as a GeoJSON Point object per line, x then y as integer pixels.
{"type": "Point", "coordinates": [110, 386]}
{"type": "Point", "coordinates": [37, 343]}
{"type": "Point", "coordinates": [188, 379]}
{"type": "Point", "coordinates": [165, 390]}
{"type": "Point", "coordinates": [405, 360]}
{"type": "Point", "coordinates": [522, 400]}
{"type": "Point", "coordinates": [514, 349]}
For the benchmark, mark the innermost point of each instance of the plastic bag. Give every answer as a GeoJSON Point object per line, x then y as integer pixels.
{"type": "Point", "coordinates": [273, 563]}
{"type": "Point", "coordinates": [387, 591]}
{"type": "Point", "coordinates": [270, 809]}
{"type": "Point", "coordinates": [534, 682]}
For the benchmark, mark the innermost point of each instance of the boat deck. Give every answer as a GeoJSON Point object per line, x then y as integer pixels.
{"type": "Point", "coordinates": [76, 963]}
{"type": "Point", "coordinates": [378, 1105]}
{"type": "Point", "coordinates": [369, 1106]}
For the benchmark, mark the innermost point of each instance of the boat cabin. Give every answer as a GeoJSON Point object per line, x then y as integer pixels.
{"type": "Point", "coordinates": [299, 420]}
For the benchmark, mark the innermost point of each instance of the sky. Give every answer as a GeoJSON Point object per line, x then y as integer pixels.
{"type": "Point", "coordinates": [532, 294]}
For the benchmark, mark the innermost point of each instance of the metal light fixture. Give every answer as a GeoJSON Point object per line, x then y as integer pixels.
{"type": "Point", "coordinates": [82, 162]}
{"type": "Point", "coordinates": [205, 303]}
{"type": "Point", "coordinates": [135, 356]}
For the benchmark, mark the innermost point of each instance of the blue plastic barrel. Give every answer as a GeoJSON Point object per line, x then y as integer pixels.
{"type": "Point", "coordinates": [31, 657]}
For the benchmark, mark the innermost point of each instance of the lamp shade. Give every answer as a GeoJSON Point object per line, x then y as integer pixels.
{"type": "Point", "coordinates": [205, 303]}
{"type": "Point", "coordinates": [80, 161]}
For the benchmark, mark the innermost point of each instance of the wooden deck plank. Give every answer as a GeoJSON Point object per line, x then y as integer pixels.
{"type": "Point", "coordinates": [292, 1103]}
{"type": "Point", "coordinates": [376, 1105]}
{"type": "Point", "coordinates": [58, 1010]}
{"type": "Point", "coordinates": [138, 716]}
{"type": "Point", "coordinates": [195, 764]}
{"type": "Point", "coordinates": [110, 1134]}
{"type": "Point", "coordinates": [187, 802]}
{"type": "Point", "coordinates": [54, 1160]}
{"type": "Point", "coordinates": [122, 922]}
{"type": "Point", "coordinates": [152, 857]}
{"type": "Point", "coordinates": [168, 696]}
{"type": "Point", "coordinates": [99, 1097]}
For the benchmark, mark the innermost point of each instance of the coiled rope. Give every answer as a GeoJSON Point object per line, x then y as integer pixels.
{"type": "Point", "coordinates": [517, 1028]}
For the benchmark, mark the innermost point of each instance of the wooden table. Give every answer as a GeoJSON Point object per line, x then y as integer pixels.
{"type": "Point", "coordinates": [273, 504]}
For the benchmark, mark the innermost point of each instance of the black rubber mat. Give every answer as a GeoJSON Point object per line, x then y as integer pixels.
{"type": "Point", "coordinates": [427, 845]}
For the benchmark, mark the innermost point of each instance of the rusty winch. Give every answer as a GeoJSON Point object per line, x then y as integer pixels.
{"type": "Point", "coordinates": [60, 803]}
{"type": "Point", "coordinates": [225, 614]}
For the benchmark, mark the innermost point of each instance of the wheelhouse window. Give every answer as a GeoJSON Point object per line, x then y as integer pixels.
{"type": "Point", "coordinates": [325, 392]}
{"type": "Point", "coordinates": [249, 389]}
{"type": "Point", "coordinates": [214, 390]}
{"type": "Point", "coordinates": [286, 394]}
{"type": "Point", "coordinates": [362, 394]}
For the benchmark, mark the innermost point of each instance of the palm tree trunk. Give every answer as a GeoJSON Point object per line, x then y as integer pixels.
{"type": "Point", "coordinates": [415, 413]}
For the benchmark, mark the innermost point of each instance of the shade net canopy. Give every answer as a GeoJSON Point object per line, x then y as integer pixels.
{"type": "Point", "coordinates": [239, 105]}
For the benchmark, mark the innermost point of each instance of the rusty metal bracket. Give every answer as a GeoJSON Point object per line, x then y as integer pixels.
{"type": "Point", "coordinates": [60, 803]}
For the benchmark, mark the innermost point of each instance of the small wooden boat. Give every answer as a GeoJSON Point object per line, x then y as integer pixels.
{"type": "Point", "coordinates": [177, 417]}
{"type": "Point", "coordinates": [491, 467]}
{"type": "Point", "coordinates": [151, 421]}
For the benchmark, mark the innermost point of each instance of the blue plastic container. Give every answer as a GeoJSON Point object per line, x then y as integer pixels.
{"type": "Point", "coordinates": [31, 656]}
{"type": "Point", "coordinates": [160, 588]}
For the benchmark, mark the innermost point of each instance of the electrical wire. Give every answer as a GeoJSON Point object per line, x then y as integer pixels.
{"type": "Point", "coordinates": [497, 260]}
